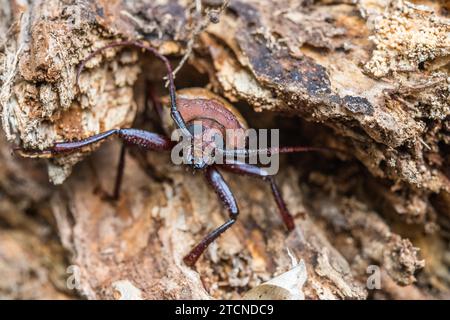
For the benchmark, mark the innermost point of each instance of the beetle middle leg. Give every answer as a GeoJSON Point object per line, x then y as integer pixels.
{"type": "Point", "coordinates": [221, 188]}
{"type": "Point", "coordinates": [120, 172]}
{"type": "Point", "coordinates": [149, 97]}
{"type": "Point", "coordinates": [252, 170]}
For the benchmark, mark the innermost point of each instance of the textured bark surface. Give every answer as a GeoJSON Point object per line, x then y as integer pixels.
{"type": "Point", "coordinates": [369, 77]}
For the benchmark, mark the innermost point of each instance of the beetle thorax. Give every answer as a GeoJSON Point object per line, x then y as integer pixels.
{"type": "Point", "coordinates": [208, 136]}
{"type": "Point", "coordinates": [213, 122]}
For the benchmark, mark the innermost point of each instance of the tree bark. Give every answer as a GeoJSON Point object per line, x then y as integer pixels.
{"type": "Point", "coordinates": [370, 78]}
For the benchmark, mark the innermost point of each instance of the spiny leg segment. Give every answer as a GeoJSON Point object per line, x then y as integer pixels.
{"type": "Point", "coordinates": [144, 139]}
{"type": "Point", "coordinates": [141, 138]}
{"type": "Point", "coordinates": [252, 170]}
{"type": "Point", "coordinates": [219, 185]}
{"type": "Point", "coordinates": [221, 188]}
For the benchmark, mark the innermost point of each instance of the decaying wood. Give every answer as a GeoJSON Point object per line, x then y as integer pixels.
{"type": "Point", "coordinates": [370, 77]}
{"type": "Point", "coordinates": [33, 263]}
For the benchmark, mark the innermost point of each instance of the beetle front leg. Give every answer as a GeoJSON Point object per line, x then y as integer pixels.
{"type": "Point", "coordinates": [252, 170]}
{"type": "Point", "coordinates": [221, 188]}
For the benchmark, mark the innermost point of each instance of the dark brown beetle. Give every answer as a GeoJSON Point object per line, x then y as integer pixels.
{"type": "Point", "coordinates": [188, 109]}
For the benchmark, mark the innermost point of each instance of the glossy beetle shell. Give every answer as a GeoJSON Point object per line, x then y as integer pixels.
{"type": "Point", "coordinates": [199, 104]}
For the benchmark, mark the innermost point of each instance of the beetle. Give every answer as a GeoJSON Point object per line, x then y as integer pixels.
{"type": "Point", "coordinates": [199, 115]}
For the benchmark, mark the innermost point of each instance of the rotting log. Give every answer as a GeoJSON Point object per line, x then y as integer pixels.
{"type": "Point", "coordinates": [370, 78]}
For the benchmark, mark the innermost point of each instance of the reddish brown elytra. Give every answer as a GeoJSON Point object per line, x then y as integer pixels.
{"type": "Point", "coordinates": [188, 108]}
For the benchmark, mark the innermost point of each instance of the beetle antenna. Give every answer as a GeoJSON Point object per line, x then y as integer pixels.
{"type": "Point", "coordinates": [176, 115]}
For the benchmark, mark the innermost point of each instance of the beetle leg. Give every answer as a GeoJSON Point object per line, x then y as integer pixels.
{"type": "Point", "coordinates": [119, 174]}
{"type": "Point", "coordinates": [145, 139]}
{"type": "Point", "coordinates": [252, 170]}
{"type": "Point", "coordinates": [141, 138]}
{"type": "Point", "coordinates": [221, 188]}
